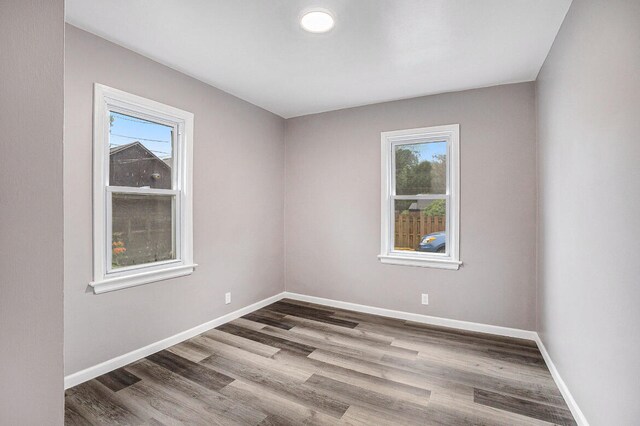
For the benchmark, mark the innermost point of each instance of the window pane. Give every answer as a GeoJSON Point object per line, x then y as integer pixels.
{"type": "Point", "coordinates": [420, 225]}
{"type": "Point", "coordinates": [140, 152]}
{"type": "Point", "coordinates": [142, 229]}
{"type": "Point", "coordinates": [421, 168]}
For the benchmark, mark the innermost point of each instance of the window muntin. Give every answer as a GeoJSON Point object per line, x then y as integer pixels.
{"type": "Point", "coordinates": [142, 190]}
{"type": "Point", "coordinates": [420, 201]}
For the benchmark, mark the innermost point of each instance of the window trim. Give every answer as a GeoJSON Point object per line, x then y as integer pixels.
{"type": "Point", "coordinates": [108, 99]}
{"type": "Point", "coordinates": [451, 259]}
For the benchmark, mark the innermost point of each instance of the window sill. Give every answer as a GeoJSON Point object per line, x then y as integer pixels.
{"type": "Point", "coordinates": [118, 283]}
{"type": "Point", "coordinates": [420, 261]}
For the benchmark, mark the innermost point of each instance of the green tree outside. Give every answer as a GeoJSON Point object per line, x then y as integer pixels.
{"type": "Point", "coordinates": [420, 177]}
{"type": "Point", "coordinates": [436, 208]}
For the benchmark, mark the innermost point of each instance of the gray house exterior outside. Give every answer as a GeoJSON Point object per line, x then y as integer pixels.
{"type": "Point", "coordinates": [142, 225]}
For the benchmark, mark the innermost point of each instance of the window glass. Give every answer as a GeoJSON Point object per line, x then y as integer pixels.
{"type": "Point", "coordinates": [421, 168]}
{"type": "Point", "coordinates": [142, 229]}
{"type": "Point", "coordinates": [140, 152]}
{"type": "Point", "coordinates": [420, 225]}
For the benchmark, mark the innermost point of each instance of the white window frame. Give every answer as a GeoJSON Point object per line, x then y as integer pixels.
{"type": "Point", "coordinates": [389, 140]}
{"type": "Point", "coordinates": [105, 279]}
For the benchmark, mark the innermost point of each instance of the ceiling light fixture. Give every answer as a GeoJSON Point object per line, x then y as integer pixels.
{"type": "Point", "coordinates": [317, 21]}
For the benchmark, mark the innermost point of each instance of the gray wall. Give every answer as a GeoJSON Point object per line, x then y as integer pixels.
{"type": "Point", "coordinates": [31, 119]}
{"type": "Point", "coordinates": [238, 207]}
{"type": "Point", "coordinates": [589, 236]}
{"type": "Point", "coordinates": [333, 207]}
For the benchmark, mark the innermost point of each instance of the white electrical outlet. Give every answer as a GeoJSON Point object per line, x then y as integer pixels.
{"type": "Point", "coordinates": [227, 298]}
{"type": "Point", "coordinates": [425, 299]}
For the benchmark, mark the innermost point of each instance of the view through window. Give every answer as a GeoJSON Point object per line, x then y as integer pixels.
{"type": "Point", "coordinates": [421, 210]}
{"type": "Point", "coordinates": [142, 223]}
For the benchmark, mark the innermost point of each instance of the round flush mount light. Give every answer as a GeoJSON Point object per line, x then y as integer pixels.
{"type": "Point", "coordinates": [317, 21]}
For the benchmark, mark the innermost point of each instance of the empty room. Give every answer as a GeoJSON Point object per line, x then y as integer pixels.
{"type": "Point", "coordinates": [320, 212]}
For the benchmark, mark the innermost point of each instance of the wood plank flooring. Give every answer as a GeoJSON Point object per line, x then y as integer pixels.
{"type": "Point", "coordinates": [296, 363]}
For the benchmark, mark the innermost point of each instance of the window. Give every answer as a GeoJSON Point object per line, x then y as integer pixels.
{"type": "Point", "coordinates": [421, 197]}
{"type": "Point", "coordinates": [142, 205]}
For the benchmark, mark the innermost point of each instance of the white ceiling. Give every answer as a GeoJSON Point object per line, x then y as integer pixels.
{"type": "Point", "coordinates": [379, 50]}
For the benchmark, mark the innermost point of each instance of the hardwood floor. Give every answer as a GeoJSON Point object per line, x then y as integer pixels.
{"type": "Point", "coordinates": [296, 363]}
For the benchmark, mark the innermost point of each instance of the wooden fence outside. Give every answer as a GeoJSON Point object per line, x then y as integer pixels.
{"type": "Point", "coordinates": [410, 227]}
{"type": "Point", "coordinates": [143, 225]}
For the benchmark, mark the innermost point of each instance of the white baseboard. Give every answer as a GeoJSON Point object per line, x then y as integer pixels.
{"type": "Point", "coordinates": [122, 360]}
{"type": "Point", "coordinates": [462, 325]}
{"type": "Point", "coordinates": [424, 319]}
{"type": "Point", "coordinates": [578, 415]}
